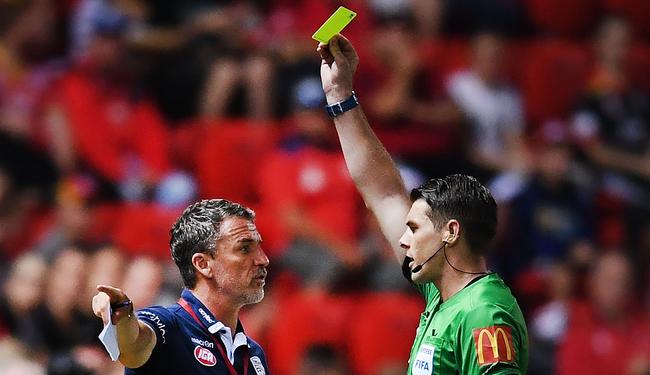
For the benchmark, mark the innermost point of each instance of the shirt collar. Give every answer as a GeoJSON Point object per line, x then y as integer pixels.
{"type": "Point", "coordinates": [208, 319]}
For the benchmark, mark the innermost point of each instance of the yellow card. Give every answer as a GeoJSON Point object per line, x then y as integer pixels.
{"type": "Point", "coordinates": [334, 25]}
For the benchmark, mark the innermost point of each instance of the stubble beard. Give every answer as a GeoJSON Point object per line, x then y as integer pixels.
{"type": "Point", "coordinates": [249, 295]}
{"type": "Point", "coordinates": [254, 297]}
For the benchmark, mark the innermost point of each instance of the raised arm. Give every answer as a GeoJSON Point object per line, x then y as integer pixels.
{"type": "Point", "coordinates": [135, 339]}
{"type": "Point", "coordinates": [368, 162]}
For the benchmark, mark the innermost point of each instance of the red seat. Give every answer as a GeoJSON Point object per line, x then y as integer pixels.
{"type": "Point", "coordinates": [105, 218]}
{"type": "Point", "coordinates": [516, 54]}
{"type": "Point", "coordinates": [554, 76]}
{"type": "Point", "coordinates": [302, 320]}
{"type": "Point", "coordinates": [637, 12]}
{"type": "Point", "coordinates": [610, 221]}
{"type": "Point", "coordinates": [3, 330]}
{"type": "Point", "coordinates": [638, 65]}
{"type": "Point", "coordinates": [143, 229]}
{"type": "Point", "coordinates": [532, 288]}
{"type": "Point", "coordinates": [183, 144]}
{"type": "Point", "coordinates": [454, 55]}
{"type": "Point", "coordinates": [383, 331]}
{"type": "Point", "coordinates": [564, 17]}
{"type": "Point", "coordinates": [228, 157]}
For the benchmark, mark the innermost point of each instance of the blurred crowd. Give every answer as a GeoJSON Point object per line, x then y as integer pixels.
{"type": "Point", "coordinates": [116, 114]}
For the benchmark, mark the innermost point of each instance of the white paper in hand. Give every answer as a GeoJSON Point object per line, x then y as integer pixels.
{"type": "Point", "coordinates": [108, 337]}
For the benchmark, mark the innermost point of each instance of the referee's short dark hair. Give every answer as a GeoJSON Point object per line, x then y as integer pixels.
{"type": "Point", "coordinates": [197, 231]}
{"type": "Point", "coordinates": [463, 198]}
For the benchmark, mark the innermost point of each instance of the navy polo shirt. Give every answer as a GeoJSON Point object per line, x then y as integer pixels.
{"type": "Point", "coordinates": [187, 346]}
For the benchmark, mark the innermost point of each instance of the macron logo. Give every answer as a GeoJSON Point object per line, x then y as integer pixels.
{"type": "Point", "coordinates": [205, 343]}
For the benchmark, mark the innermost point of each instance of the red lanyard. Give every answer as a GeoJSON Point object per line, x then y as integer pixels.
{"type": "Point", "coordinates": [186, 306]}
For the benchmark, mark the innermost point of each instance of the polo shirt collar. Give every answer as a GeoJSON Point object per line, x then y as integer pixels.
{"type": "Point", "coordinates": [215, 326]}
{"type": "Point", "coordinates": [208, 319]}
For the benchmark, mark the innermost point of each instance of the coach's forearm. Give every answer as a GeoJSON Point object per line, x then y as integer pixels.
{"type": "Point", "coordinates": [370, 165]}
{"type": "Point", "coordinates": [136, 341]}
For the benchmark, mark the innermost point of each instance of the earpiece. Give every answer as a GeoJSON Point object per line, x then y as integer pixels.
{"type": "Point", "coordinates": [445, 242]}
{"type": "Point", "coordinates": [450, 237]}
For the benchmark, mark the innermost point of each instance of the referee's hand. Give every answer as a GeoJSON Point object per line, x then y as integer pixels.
{"type": "Point", "coordinates": [120, 303]}
{"type": "Point", "coordinates": [339, 62]}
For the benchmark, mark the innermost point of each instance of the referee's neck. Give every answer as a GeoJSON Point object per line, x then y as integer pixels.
{"type": "Point", "coordinates": [455, 276]}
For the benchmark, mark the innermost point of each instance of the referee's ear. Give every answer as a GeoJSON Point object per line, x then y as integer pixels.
{"type": "Point", "coordinates": [452, 232]}
{"type": "Point", "coordinates": [202, 265]}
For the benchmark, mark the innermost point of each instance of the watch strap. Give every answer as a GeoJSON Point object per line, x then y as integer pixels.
{"type": "Point", "coordinates": [336, 109]}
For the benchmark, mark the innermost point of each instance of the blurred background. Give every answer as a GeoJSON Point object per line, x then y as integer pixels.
{"type": "Point", "coordinates": [115, 114]}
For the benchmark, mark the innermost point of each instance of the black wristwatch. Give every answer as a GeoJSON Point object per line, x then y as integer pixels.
{"type": "Point", "coordinates": [128, 303]}
{"type": "Point", "coordinates": [344, 106]}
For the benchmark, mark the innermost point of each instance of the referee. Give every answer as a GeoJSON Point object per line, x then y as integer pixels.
{"type": "Point", "coordinates": [440, 233]}
{"type": "Point", "coordinates": [216, 247]}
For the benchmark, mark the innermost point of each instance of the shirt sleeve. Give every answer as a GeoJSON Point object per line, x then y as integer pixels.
{"type": "Point", "coordinates": [161, 320]}
{"type": "Point", "coordinates": [258, 358]}
{"type": "Point", "coordinates": [490, 342]}
{"type": "Point", "coordinates": [263, 362]}
{"type": "Point", "coordinates": [514, 113]}
{"type": "Point", "coordinates": [585, 127]}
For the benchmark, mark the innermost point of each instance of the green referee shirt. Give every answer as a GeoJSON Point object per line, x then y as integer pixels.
{"type": "Point", "coordinates": [479, 330]}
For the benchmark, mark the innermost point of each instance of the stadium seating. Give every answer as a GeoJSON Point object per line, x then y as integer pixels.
{"type": "Point", "coordinates": [567, 18]}
{"type": "Point", "coordinates": [304, 319]}
{"type": "Point", "coordinates": [636, 11]}
{"type": "Point", "coordinates": [639, 63]}
{"type": "Point", "coordinates": [143, 229]}
{"type": "Point", "coordinates": [382, 331]}
{"type": "Point", "coordinates": [228, 156]}
{"type": "Point", "coordinates": [554, 75]}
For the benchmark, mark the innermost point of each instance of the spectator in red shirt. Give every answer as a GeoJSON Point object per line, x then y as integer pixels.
{"type": "Point", "coordinates": [606, 336]}
{"type": "Point", "coordinates": [548, 324]}
{"type": "Point", "coordinates": [118, 135]}
{"type": "Point", "coordinates": [28, 66]}
{"type": "Point", "coordinates": [305, 184]}
{"type": "Point", "coordinates": [27, 70]}
{"type": "Point", "coordinates": [408, 101]}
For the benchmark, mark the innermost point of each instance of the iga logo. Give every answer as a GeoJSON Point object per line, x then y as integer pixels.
{"type": "Point", "coordinates": [204, 356]}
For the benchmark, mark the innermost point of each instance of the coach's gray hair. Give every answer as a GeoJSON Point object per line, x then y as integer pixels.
{"type": "Point", "coordinates": [197, 231]}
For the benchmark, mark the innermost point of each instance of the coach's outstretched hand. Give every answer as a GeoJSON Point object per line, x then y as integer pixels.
{"type": "Point", "coordinates": [338, 65]}
{"type": "Point", "coordinates": [115, 297]}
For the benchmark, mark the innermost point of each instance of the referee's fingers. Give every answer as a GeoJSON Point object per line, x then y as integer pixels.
{"type": "Point", "coordinates": [325, 54]}
{"type": "Point", "coordinates": [335, 48]}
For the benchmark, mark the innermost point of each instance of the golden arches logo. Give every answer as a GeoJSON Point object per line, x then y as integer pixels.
{"type": "Point", "coordinates": [493, 334]}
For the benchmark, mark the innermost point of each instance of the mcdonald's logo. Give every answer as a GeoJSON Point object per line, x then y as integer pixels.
{"type": "Point", "coordinates": [493, 344]}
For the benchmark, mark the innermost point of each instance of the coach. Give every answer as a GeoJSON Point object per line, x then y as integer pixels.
{"type": "Point", "coordinates": [216, 247]}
